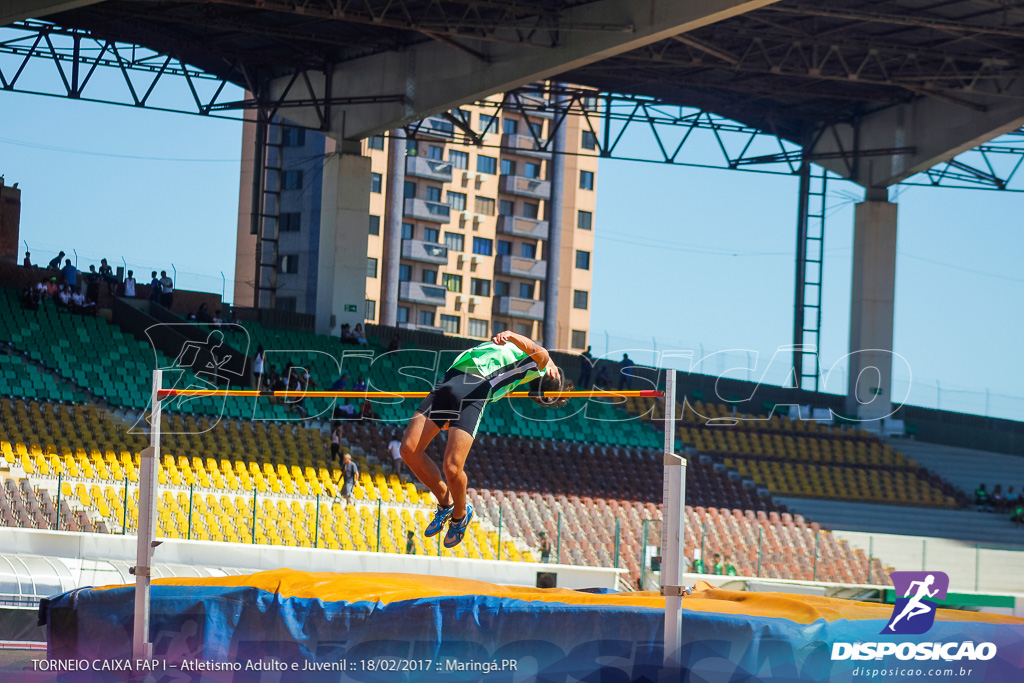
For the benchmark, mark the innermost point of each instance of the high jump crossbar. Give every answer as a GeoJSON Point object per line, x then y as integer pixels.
{"type": "Point", "coordinates": [169, 393]}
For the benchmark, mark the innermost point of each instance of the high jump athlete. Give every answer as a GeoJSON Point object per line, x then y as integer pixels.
{"type": "Point", "coordinates": [482, 374]}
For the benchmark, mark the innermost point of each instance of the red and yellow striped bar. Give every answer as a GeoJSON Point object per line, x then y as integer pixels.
{"type": "Point", "coordinates": [596, 393]}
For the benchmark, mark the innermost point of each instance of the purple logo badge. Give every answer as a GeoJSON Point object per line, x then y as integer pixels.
{"type": "Point", "coordinates": [914, 611]}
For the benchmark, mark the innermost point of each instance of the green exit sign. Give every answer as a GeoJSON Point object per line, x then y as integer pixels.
{"type": "Point", "coordinates": [350, 308]}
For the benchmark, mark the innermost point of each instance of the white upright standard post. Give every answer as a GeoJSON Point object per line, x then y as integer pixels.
{"type": "Point", "coordinates": [673, 562]}
{"type": "Point", "coordinates": [148, 481]}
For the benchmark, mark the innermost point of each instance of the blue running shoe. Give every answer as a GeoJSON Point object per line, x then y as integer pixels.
{"type": "Point", "coordinates": [440, 517]}
{"type": "Point", "coordinates": [456, 530]}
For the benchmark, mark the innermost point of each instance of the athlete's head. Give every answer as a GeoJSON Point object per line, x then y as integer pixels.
{"type": "Point", "coordinates": [549, 387]}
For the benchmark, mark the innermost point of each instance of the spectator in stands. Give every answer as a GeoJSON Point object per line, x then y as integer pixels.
{"type": "Point", "coordinates": [730, 568]}
{"type": "Point", "coordinates": [28, 260]}
{"type": "Point", "coordinates": [129, 285]}
{"type": "Point", "coordinates": [92, 285]}
{"type": "Point", "coordinates": [154, 288]}
{"type": "Point", "coordinates": [107, 274]}
{"type": "Point", "coordinates": [80, 304]}
{"type": "Point", "coordinates": [63, 297]}
{"type": "Point", "coordinates": [293, 381]}
{"type": "Point", "coordinates": [359, 335]}
{"type": "Point", "coordinates": [52, 289]}
{"type": "Point", "coordinates": [55, 262]}
{"type": "Point", "coordinates": [625, 372]}
{"type": "Point", "coordinates": [395, 448]}
{"type": "Point", "coordinates": [341, 384]}
{"type": "Point", "coordinates": [545, 547]}
{"type": "Point", "coordinates": [30, 297]}
{"type": "Point", "coordinates": [698, 564]}
{"type": "Point", "coordinates": [167, 291]}
{"type": "Point", "coordinates": [336, 444]}
{"type": "Point", "coordinates": [1018, 511]}
{"type": "Point", "coordinates": [997, 498]}
{"type": "Point", "coordinates": [216, 317]}
{"type": "Point", "coordinates": [981, 499]}
{"type": "Point", "coordinates": [602, 380]}
{"type": "Point", "coordinates": [395, 344]}
{"type": "Point", "coordinates": [366, 411]}
{"type": "Point", "coordinates": [716, 564]}
{"type": "Point", "coordinates": [350, 472]}
{"type": "Point", "coordinates": [258, 362]}
{"type": "Point", "coordinates": [346, 335]}
{"type": "Point", "coordinates": [410, 543]}
{"type": "Point", "coordinates": [586, 366]}
{"type": "Point", "coordinates": [360, 384]}
{"type": "Point", "coordinates": [70, 274]}
{"type": "Point", "coordinates": [203, 314]}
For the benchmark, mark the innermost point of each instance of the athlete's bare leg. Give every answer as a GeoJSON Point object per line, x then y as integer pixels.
{"type": "Point", "coordinates": [418, 435]}
{"type": "Point", "coordinates": [459, 443]}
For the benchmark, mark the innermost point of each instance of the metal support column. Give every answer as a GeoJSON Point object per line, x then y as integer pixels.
{"type": "Point", "coordinates": [394, 211]}
{"type": "Point", "coordinates": [673, 532]}
{"type": "Point", "coordinates": [148, 483]}
{"type": "Point", "coordinates": [810, 258]}
{"type": "Point", "coordinates": [553, 249]}
{"type": "Point", "coordinates": [268, 166]}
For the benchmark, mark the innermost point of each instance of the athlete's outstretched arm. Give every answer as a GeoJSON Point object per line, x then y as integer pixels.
{"type": "Point", "coordinates": [537, 352]}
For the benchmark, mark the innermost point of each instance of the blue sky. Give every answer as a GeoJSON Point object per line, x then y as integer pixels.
{"type": "Point", "coordinates": [685, 258]}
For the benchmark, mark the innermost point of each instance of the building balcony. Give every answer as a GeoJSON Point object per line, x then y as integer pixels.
{"type": "Point", "coordinates": [419, 293]}
{"type": "Point", "coordinates": [422, 328]}
{"type": "Point", "coordinates": [518, 308]}
{"type": "Point", "coordinates": [432, 169]}
{"type": "Point", "coordinates": [534, 188]}
{"type": "Point", "coordinates": [523, 227]}
{"type": "Point", "coordinates": [427, 252]}
{"type": "Point", "coordinates": [425, 210]}
{"type": "Point", "coordinates": [521, 267]}
{"type": "Point", "coordinates": [524, 144]}
{"type": "Point", "coordinates": [438, 126]}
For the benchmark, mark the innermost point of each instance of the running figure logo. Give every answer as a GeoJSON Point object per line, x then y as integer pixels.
{"type": "Point", "coordinates": [914, 613]}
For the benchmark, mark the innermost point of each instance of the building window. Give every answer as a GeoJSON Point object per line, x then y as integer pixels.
{"type": "Point", "coordinates": [536, 129]}
{"type": "Point", "coordinates": [293, 137]}
{"type": "Point", "coordinates": [431, 235]}
{"type": "Point", "coordinates": [290, 222]}
{"type": "Point", "coordinates": [402, 315]}
{"type": "Point", "coordinates": [532, 170]}
{"type": "Point", "coordinates": [292, 180]}
{"type": "Point", "coordinates": [374, 225]}
{"type": "Point", "coordinates": [404, 272]}
{"type": "Point", "coordinates": [454, 241]}
{"type": "Point", "coordinates": [426, 318]}
{"type": "Point", "coordinates": [579, 299]}
{"type": "Point", "coordinates": [507, 207]}
{"type": "Point", "coordinates": [457, 200]}
{"type": "Point", "coordinates": [531, 210]}
{"type": "Point", "coordinates": [484, 205]}
{"type": "Point", "coordinates": [525, 329]}
{"type": "Point", "coordinates": [509, 126]}
{"type": "Point", "coordinates": [285, 303]}
{"type": "Point", "coordinates": [486, 164]}
{"type": "Point", "coordinates": [527, 250]}
{"type": "Point", "coordinates": [371, 267]}
{"type": "Point", "coordinates": [589, 141]}
{"type": "Point", "coordinates": [525, 290]}
{"type": "Point", "coordinates": [452, 282]}
{"type": "Point", "coordinates": [482, 246]}
{"type": "Point", "coordinates": [508, 167]}
{"type": "Point", "coordinates": [435, 152]}
{"type": "Point", "coordinates": [504, 248]}
{"type": "Point", "coordinates": [407, 231]}
{"type": "Point", "coordinates": [429, 276]}
{"type": "Point", "coordinates": [499, 326]}
{"type": "Point", "coordinates": [375, 142]}
{"type": "Point", "coordinates": [583, 260]}
{"type": "Point", "coordinates": [408, 190]}
{"type": "Point", "coordinates": [450, 323]}
{"type": "Point", "coordinates": [411, 148]}
{"type": "Point", "coordinates": [375, 183]}
{"type": "Point", "coordinates": [371, 310]}
{"type": "Point", "coordinates": [579, 339]}
{"type": "Point", "coordinates": [501, 287]}
{"type": "Point", "coordinates": [586, 180]}
{"type": "Point", "coordinates": [458, 159]}
{"type": "Point", "coordinates": [488, 123]}
{"type": "Point", "coordinates": [584, 220]}
{"type": "Point", "coordinates": [433, 194]}
{"type": "Point", "coordinates": [288, 263]}
{"type": "Point", "coordinates": [480, 287]}
{"type": "Point", "coordinates": [476, 328]}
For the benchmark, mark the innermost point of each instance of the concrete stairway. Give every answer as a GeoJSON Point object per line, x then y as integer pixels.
{"type": "Point", "coordinates": [963, 525]}
{"type": "Point", "coordinates": [965, 468]}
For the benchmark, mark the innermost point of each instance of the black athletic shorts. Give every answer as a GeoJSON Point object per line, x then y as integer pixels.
{"type": "Point", "coordinates": [458, 399]}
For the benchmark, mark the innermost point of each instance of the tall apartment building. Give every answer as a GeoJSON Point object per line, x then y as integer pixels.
{"type": "Point", "coordinates": [475, 225]}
